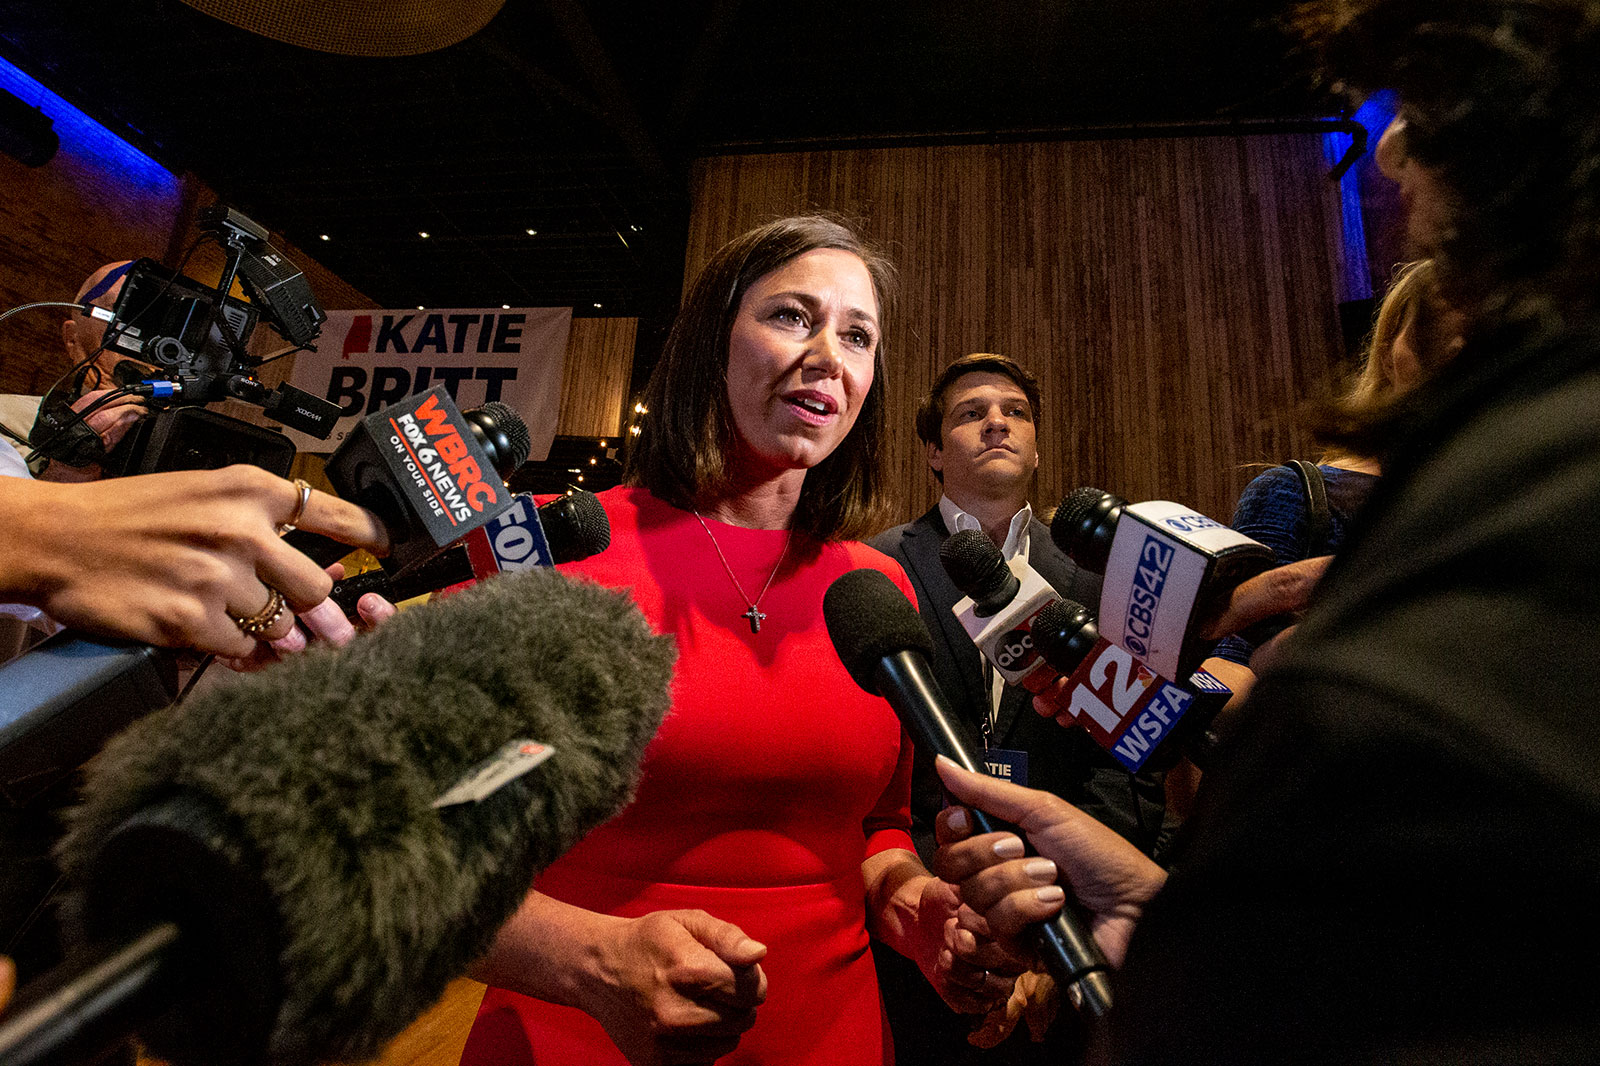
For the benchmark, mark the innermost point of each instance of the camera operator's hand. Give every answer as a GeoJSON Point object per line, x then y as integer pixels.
{"type": "Point", "coordinates": [184, 559]}
{"type": "Point", "coordinates": [111, 422]}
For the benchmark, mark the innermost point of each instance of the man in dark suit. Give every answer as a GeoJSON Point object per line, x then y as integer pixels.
{"type": "Point", "coordinates": [978, 425]}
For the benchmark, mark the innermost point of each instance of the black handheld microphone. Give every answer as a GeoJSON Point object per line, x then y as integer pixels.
{"type": "Point", "coordinates": [1168, 570]}
{"type": "Point", "coordinates": [430, 474]}
{"type": "Point", "coordinates": [289, 868]}
{"type": "Point", "coordinates": [884, 645]}
{"type": "Point", "coordinates": [564, 530]}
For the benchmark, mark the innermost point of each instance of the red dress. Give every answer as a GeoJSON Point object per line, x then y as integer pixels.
{"type": "Point", "coordinates": [773, 777]}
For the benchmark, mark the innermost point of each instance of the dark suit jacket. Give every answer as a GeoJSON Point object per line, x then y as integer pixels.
{"type": "Point", "coordinates": [1064, 761]}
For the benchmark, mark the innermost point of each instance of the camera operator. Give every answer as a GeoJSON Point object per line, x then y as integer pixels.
{"type": "Point", "coordinates": [80, 337]}
{"type": "Point", "coordinates": [189, 555]}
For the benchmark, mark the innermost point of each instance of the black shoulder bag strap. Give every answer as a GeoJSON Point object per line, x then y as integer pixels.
{"type": "Point", "coordinates": [1317, 518]}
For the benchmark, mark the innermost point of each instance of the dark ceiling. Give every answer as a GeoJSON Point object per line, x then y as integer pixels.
{"type": "Point", "coordinates": [577, 119]}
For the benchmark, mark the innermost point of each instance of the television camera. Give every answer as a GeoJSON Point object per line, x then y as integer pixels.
{"type": "Point", "coordinates": [186, 345]}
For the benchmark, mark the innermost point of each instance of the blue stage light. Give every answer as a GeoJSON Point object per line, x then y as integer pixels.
{"type": "Point", "coordinates": [83, 136]}
{"type": "Point", "coordinates": [1375, 114]}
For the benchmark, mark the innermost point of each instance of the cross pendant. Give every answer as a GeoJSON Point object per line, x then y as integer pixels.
{"type": "Point", "coordinates": [756, 618]}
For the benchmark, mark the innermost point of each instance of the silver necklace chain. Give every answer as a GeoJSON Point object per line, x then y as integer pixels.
{"type": "Point", "coordinates": [755, 615]}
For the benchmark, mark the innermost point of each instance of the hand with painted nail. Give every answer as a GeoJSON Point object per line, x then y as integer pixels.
{"type": "Point", "coordinates": [1283, 590]}
{"type": "Point", "coordinates": [1110, 877]}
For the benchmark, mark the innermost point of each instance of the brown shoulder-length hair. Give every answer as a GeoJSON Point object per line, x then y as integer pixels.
{"type": "Point", "coordinates": [686, 434]}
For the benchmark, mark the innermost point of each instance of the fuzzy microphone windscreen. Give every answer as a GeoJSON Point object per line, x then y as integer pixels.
{"type": "Point", "coordinates": [324, 771]}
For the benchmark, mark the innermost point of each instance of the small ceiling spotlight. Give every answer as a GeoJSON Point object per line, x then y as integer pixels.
{"type": "Point", "coordinates": [533, 233]}
{"type": "Point", "coordinates": [424, 234]}
{"type": "Point", "coordinates": [597, 305]}
{"type": "Point", "coordinates": [505, 307]}
{"type": "Point", "coordinates": [326, 237]}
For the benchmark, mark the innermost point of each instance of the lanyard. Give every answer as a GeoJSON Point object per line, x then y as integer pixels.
{"type": "Point", "coordinates": [991, 717]}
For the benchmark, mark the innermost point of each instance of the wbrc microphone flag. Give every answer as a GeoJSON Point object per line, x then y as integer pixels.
{"type": "Point", "coordinates": [367, 360]}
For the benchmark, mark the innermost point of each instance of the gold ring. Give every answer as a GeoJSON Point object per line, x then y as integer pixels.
{"type": "Point", "coordinates": [264, 619]}
{"type": "Point", "coordinates": [304, 488]}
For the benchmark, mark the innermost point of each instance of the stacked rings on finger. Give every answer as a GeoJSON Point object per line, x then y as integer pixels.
{"type": "Point", "coordinates": [304, 488]}
{"type": "Point", "coordinates": [264, 619]}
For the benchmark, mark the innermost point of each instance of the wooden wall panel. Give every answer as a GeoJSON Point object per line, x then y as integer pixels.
{"type": "Point", "coordinates": [1176, 297]}
{"type": "Point", "coordinates": [594, 387]}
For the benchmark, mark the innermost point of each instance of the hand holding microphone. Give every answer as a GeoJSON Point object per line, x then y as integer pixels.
{"type": "Point", "coordinates": [196, 559]}
{"type": "Point", "coordinates": [1272, 596]}
{"type": "Point", "coordinates": [1108, 876]}
{"type": "Point", "coordinates": [1168, 572]}
{"type": "Point", "coordinates": [430, 473]}
{"type": "Point", "coordinates": [884, 645]}
{"type": "Point", "coordinates": [172, 559]}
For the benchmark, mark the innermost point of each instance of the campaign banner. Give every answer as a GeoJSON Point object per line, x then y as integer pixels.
{"type": "Point", "coordinates": [367, 360]}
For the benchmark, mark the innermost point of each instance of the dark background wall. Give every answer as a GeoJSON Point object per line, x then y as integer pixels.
{"type": "Point", "coordinates": [1177, 297]}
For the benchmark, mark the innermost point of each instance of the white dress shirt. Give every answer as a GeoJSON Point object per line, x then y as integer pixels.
{"type": "Point", "coordinates": [1017, 543]}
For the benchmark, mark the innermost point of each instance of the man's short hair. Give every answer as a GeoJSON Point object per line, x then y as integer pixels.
{"type": "Point", "coordinates": [930, 415]}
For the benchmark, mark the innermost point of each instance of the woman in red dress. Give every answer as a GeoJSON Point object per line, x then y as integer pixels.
{"type": "Point", "coordinates": [726, 912]}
